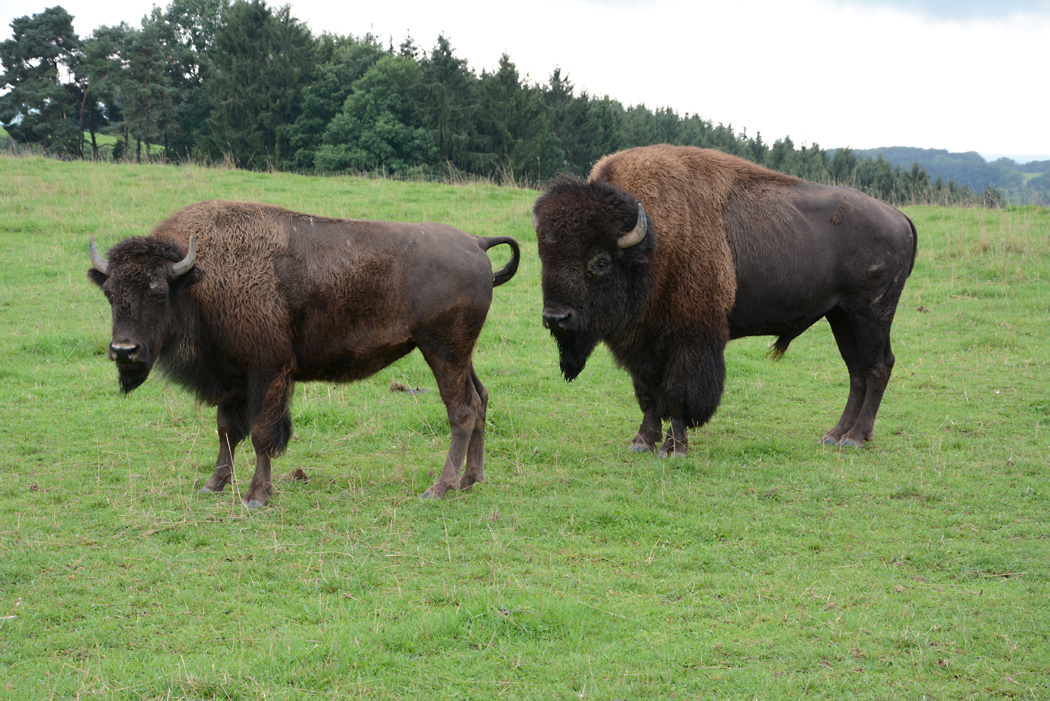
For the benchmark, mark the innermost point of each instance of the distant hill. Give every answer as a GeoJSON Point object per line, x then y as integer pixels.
{"type": "Point", "coordinates": [1021, 159]}
{"type": "Point", "coordinates": [1027, 183]}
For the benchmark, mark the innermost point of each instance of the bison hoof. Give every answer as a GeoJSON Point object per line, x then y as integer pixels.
{"type": "Point", "coordinates": [673, 453]}
{"type": "Point", "coordinates": [468, 481]}
{"type": "Point", "coordinates": [254, 503]}
{"type": "Point", "coordinates": [674, 448]}
{"type": "Point", "coordinates": [214, 485]}
{"type": "Point", "coordinates": [641, 446]}
{"type": "Point", "coordinates": [842, 442]}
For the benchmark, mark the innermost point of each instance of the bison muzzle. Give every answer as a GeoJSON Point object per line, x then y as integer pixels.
{"type": "Point", "coordinates": [666, 253]}
{"type": "Point", "coordinates": [239, 301]}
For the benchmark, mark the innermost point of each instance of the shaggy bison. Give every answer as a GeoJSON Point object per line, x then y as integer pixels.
{"type": "Point", "coordinates": [667, 253]}
{"type": "Point", "coordinates": [238, 301]}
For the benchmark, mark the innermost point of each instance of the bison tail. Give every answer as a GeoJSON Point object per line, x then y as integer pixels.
{"type": "Point", "coordinates": [507, 271]}
{"type": "Point", "coordinates": [914, 243]}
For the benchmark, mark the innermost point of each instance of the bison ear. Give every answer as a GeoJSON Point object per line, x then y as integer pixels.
{"type": "Point", "coordinates": [96, 277]}
{"type": "Point", "coordinates": [635, 235]}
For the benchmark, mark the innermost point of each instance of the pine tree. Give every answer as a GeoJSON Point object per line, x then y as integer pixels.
{"type": "Point", "coordinates": [260, 62]}
{"type": "Point", "coordinates": [42, 102]}
{"type": "Point", "coordinates": [449, 103]}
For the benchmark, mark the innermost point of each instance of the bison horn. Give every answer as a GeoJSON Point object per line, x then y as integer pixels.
{"type": "Point", "coordinates": [635, 235]}
{"type": "Point", "coordinates": [96, 258]}
{"type": "Point", "coordinates": [183, 266]}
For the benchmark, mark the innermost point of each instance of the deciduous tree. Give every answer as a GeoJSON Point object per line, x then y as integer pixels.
{"type": "Point", "coordinates": [379, 127]}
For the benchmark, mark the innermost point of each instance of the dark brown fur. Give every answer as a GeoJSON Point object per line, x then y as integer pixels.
{"type": "Point", "coordinates": [277, 297]}
{"type": "Point", "coordinates": [733, 250]}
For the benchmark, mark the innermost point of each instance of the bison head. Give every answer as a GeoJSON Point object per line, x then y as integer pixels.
{"type": "Point", "coordinates": [139, 280]}
{"type": "Point", "coordinates": [595, 244]}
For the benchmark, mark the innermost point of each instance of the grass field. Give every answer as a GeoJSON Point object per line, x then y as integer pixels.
{"type": "Point", "coordinates": [763, 565]}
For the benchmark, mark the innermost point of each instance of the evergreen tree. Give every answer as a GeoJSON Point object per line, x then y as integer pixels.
{"type": "Point", "coordinates": [515, 136]}
{"type": "Point", "coordinates": [782, 155]}
{"type": "Point", "coordinates": [449, 103]}
{"type": "Point", "coordinates": [586, 129]}
{"type": "Point", "coordinates": [148, 90]}
{"type": "Point", "coordinates": [607, 134]}
{"type": "Point", "coordinates": [500, 97]}
{"type": "Point", "coordinates": [42, 103]}
{"type": "Point", "coordinates": [756, 151]}
{"type": "Point", "coordinates": [843, 167]}
{"type": "Point", "coordinates": [260, 62]}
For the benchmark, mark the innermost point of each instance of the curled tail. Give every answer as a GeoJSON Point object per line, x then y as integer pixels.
{"type": "Point", "coordinates": [507, 271]}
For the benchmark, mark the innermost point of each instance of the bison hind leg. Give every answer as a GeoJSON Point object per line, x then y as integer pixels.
{"type": "Point", "coordinates": [864, 344]}
{"type": "Point", "coordinates": [474, 470]}
{"type": "Point", "coordinates": [466, 400]}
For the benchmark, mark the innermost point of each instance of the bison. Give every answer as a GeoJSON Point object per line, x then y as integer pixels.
{"type": "Point", "coordinates": [239, 301]}
{"type": "Point", "coordinates": [666, 253]}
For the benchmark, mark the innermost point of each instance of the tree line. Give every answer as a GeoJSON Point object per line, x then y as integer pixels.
{"type": "Point", "coordinates": [246, 84]}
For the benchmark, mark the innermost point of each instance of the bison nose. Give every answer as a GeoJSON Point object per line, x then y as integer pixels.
{"type": "Point", "coordinates": [557, 320]}
{"type": "Point", "coordinates": [124, 352]}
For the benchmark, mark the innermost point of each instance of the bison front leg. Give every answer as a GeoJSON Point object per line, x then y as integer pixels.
{"type": "Point", "coordinates": [693, 383]}
{"type": "Point", "coordinates": [261, 488]}
{"type": "Point", "coordinates": [652, 426]}
{"type": "Point", "coordinates": [676, 445]}
{"type": "Point", "coordinates": [271, 431]}
{"type": "Point", "coordinates": [232, 423]}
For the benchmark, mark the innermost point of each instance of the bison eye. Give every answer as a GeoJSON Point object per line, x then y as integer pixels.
{"type": "Point", "coordinates": [157, 291]}
{"type": "Point", "coordinates": [600, 264]}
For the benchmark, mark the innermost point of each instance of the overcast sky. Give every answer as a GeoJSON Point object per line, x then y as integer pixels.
{"type": "Point", "coordinates": [962, 75]}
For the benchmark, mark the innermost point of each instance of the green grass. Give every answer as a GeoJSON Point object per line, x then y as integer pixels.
{"type": "Point", "coordinates": [763, 565]}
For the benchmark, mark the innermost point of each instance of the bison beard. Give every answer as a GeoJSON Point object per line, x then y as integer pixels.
{"type": "Point", "coordinates": [574, 349]}
{"type": "Point", "coordinates": [131, 375]}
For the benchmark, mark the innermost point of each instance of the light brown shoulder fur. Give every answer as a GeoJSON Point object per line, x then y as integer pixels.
{"type": "Point", "coordinates": [684, 190]}
{"type": "Point", "coordinates": [238, 244]}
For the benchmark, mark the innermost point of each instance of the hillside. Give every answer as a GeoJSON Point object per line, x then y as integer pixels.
{"type": "Point", "coordinates": [1021, 184]}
